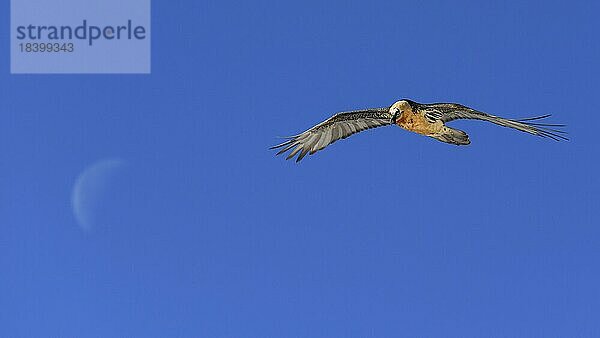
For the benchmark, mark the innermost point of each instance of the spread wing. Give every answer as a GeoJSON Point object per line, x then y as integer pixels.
{"type": "Point", "coordinates": [337, 127]}
{"type": "Point", "coordinates": [451, 111]}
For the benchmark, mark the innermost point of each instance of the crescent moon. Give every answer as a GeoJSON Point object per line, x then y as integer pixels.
{"type": "Point", "coordinates": [89, 189]}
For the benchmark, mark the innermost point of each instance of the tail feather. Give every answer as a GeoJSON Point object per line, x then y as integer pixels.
{"type": "Point", "coordinates": [452, 136]}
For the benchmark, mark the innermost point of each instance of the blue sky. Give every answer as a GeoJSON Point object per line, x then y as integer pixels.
{"type": "Point", "coordinates": [204, 233]}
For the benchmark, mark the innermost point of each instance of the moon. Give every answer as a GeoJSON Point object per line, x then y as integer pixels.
{"type": "Point", "coordinates": [90, 189]}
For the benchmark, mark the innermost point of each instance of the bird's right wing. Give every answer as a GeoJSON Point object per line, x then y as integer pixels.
{"type": "Point", "coordinates": [337, 127]}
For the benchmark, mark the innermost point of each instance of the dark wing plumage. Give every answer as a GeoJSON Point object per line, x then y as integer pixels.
{"type": "Point", "coordinates": [451, 111]}
{"type": "Point", "coordinates": [337, 127]}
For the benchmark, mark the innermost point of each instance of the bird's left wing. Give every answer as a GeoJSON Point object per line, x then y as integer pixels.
{"type": "Point", "coordinates": [337, 127]}
{"type": "Point", "coordinates": [447, 112]}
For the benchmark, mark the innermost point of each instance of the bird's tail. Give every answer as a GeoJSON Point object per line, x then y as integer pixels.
{"type": "Point", "coordinates": [452, 136]}
{"type": "Point", "coordinates": [531, 126]}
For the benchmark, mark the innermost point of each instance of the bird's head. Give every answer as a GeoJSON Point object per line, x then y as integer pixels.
{"type": "Point", "coordinates": [398, 108]}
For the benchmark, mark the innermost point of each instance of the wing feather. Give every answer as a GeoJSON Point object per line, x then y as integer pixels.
{"type": "Point", "coordinates": [294, 152]}
{"type": "Point", "coordinates": [324, 141]}
{"type": "Point", "coordinates": [337, 127]}
{"type": "Point", "coordinates": [353, 127]}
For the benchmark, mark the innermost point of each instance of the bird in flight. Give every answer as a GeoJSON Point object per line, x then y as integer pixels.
{"type": "Point", "coordinates": [427, 119]}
